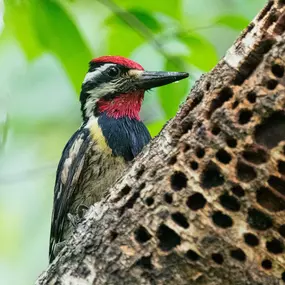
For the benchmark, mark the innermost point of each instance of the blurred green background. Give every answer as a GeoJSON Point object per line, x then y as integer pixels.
{"type": "Point", "coordinates": [45, 47]}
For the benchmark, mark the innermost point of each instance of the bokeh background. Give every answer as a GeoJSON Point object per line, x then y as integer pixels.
{"type": "Point", "coordinates": [45, 47]}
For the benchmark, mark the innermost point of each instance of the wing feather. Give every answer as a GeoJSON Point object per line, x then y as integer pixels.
{"type": "Point", "coordinates": [67, 177]}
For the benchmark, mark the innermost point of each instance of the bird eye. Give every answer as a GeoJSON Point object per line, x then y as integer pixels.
{"type": "Point", "coordinates": [113, 71]}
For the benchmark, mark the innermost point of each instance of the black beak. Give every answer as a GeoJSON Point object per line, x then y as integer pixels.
{"type": "Point", "coordinates": [151, 79]}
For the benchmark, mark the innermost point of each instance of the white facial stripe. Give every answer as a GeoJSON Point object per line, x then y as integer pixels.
{"type": "Point", "coordinates": [89, 105]}
{"type": "Point", "coordinates": [135, 73]}
{"type": "Point", "coordinates": [92, 75]}
{"type": "Point", "coordinates": [95, 94]}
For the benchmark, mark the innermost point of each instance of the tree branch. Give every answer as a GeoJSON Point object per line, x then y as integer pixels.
{"type": "Point", "coordinates": [205, 201]}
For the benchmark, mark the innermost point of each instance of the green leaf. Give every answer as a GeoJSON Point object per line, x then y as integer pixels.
{"type": "Point", "coordinates": [171, 7]}
{"type": "Point", "coordinates": [146, 18]}
{"type": "Point", "coordinates": [235, 22]}
{"type": "Point", "coordinates": [202, 53]}
{"type": "Point", "coordinates": [170, 96]}
{"type": "Point", "coordinates": [18, 22]}
{"type": "Point", "coordinates": [58, 34]}
{"type": "Point", "coordinates": [122, 39]}
{"type": "Point", "coordinates": [155, 127]}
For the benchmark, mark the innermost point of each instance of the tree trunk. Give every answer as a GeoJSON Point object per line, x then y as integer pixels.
{"type": "Point", "coordinates": [205, 201]}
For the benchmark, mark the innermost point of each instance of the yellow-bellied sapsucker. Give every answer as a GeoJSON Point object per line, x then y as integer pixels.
{"type": "Point", "coordinates": [110, 136]}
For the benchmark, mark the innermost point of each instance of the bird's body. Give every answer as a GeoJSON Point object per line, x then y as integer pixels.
{"type": "Point", "coordinates": [110, 136]}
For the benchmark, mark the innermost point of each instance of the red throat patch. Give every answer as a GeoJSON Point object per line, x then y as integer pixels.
{"type": "Point", "coordinates": [125, 105]}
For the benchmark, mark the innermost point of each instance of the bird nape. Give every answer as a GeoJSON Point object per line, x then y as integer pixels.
{"type": "Point", "coordinates": [110, 136]}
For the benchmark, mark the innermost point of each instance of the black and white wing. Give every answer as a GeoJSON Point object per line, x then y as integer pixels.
{"type": "Point", "coordinates": [66, 184]}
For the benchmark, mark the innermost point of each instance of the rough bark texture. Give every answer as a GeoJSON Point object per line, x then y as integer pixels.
{"type": "Point", "coordinates": [205, 202]}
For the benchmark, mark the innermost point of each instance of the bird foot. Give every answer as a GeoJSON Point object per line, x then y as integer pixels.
{"type": "Point", "coordinates": [58, 247]}
{"type": "Point", "coordinates": [77, 218]}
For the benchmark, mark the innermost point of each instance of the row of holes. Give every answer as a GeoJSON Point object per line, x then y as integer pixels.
{"type": "Point", "coordinates": [222, 220]}
{"type": "Point", "coordinates": [226, 94]}
{"type": "Point", "coordinates": [169, 239]}
{"type": "Point", "coordinates": [258, 220]}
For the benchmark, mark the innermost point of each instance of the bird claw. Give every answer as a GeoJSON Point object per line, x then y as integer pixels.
{"type": "Point", "coordinates": [77, 218]}
{"type": "Point", "coordinates": [81, 211]}
{"type": "Point", "coordinates": [58, 247]}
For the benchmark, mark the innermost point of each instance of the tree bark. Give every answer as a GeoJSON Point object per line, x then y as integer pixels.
{"type": "Point", "coordinates": [204, 203]}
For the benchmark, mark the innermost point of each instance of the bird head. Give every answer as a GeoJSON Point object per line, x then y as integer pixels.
{"type": "Point", "coordinates": [115, 85]}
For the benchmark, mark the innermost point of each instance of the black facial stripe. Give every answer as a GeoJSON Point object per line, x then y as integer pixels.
{"type": "Point", "coordinates": [101, 78]}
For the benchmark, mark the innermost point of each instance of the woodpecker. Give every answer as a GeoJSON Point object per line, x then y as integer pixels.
{"type": "Point", "coordinates": [109, 138]}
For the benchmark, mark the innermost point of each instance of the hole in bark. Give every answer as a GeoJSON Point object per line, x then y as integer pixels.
{"type": "Point", "coordinates": [200, 152]}
{"type": "Point", "coordinates": [269, 200]}
{"type": "Point", "coordinates": [235, 104]}
{"type": "Point", "coordinates": [275, 246]}
{"type": "Point", "coordinates": [264, 47]}
{"type": "Point", "coordinates": [245, 172]}
{"type": "Point", "coordinates": [178, 181]}
{"type": "Point", "coordinates": [168, 198]}
{"type": "Point", "coordinates": [180, 220]}
{"type": "Point", "coordinates": [230, 203]}
{"type": "Point", "coordinates": [196, 201]}
{"type": "Point", "coordinates": [217, 258]}
{"type": "Point", "coordinates": [113, 235]}
{"type": "Point", "coordinates": [277, 183]}
{"type": "Point", "coordinates": [281, 230]}
{"type": "Point", "coordinates": [222, 220]}
{"type": "Point", "coordinates": [149, 201]}
{"type": "Point", "coordinates": [211, 176]}
{"type": "Point", "coordinates": [225, 94]}
{"type": "Point", "coordinates": [142, 186]}
{"type": "Point", "coordinates": [172, 160]}
{"type": "Point", "coordinates": [194, 165]}
{"type": "Point", "coordinates": [140, 172]}
{"type": "Point", "coordinates": [253, 60]}
{"type": "Point", "coordinates": [255, 155]}
{"type": "Point", "coordinates": [251, 239]}
{"type": "Point", "coordinates": [266, 264]}
{"type": "Point", "coordinates": [271, 84]}
{"type": "Point", "coordinates": [283, 276]}
{"type": "Point", "coordinates": [196, 101]}
{"type": "Point", "coordinates": [223, 156]}
{"type": "Point", "coordinates": [142, 235]}
{"type": "Point", "coordinates": [265, 10]}
{"type": "Point", "coordinates": [192, 255]}
{"type": "Point", "coordinates": [231, 142]}
{"type": "Point", "coordinates": [168, 238]}
{"type": "Point", "coordinates": [272, 17]}
{"type": "Point", "coordinates": [251, 97]}
{"type": "Point", "coordinates": [208, 85]}
{"type": "Point", "coordinates": [216, 130]}
{"type": "Point", "coordinates": [259, 220]}
{"type": "Point", "coordinates": [186, 147]}
{"type": "Point", "coordinates": [244, 116]}
{"type": "Point", "coordinates": [277, 70]}
{"type": "Point", "coordinates": [125, 191]}
{"type": "Point", "coordinates": [153, 173]}
{"type": "Point", "coordinates": [186, 126]}
{"type": "Point", "coordinates": [145, 262]}
{"type": "Point", "coordinates": [281, 166]}
{"type": "Point", "coordinates": [130, 203]}
{"type": "Point", "coordinates": [238, 191]}
{"type": "Point", "coordinates": [238, 254]}
{"type": "Point", "coordinates": [271, 131]}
